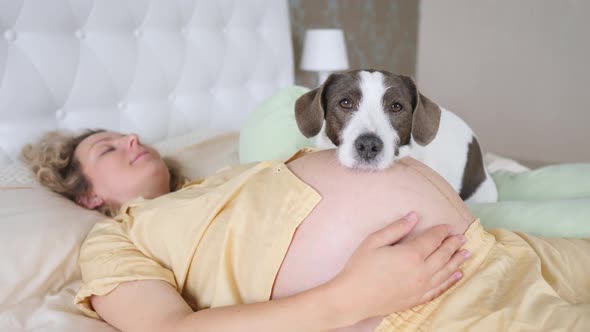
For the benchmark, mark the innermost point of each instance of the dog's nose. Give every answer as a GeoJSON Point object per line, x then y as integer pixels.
{"type": "Point", "coordinates": [368, 146]}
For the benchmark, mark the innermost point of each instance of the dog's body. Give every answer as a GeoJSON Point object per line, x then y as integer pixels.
{"type": "Point", "coordinates": [376, 117]}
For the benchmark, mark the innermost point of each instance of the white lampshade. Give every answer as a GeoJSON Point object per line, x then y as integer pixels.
{"type": "Point", "coordinates": [324, 50]}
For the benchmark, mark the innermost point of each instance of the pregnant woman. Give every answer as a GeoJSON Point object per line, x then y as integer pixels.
{"type": "Point", "coordinates": [299, 245]}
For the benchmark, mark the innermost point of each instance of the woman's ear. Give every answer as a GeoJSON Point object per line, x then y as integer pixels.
{"type": "Point", "coordinates": [89, 200]}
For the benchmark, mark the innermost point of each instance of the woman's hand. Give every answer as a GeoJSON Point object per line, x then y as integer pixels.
{"type": "Point", "coordinates": [383, 277]}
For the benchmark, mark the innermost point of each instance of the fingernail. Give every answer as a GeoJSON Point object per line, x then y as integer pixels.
{"type": "Point", "coordinates": [463, 239]}
{"type": "Point", "coordinates": [457, 275]}
{"type": "Point", "coordinates": [466, 254]}
{"type": "Point", "coordinates": [411, 217]}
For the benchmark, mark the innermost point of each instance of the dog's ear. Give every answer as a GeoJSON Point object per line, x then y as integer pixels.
{"type": "Point", "coordinates": [309, 112]}
{"type": "Point", "coordinates": [426, 116]}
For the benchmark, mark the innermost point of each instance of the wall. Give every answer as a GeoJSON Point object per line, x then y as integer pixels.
{"type": "Point", "coordinates": [517, 71]}
{"type": "Point", "coordinates": [379, 34]}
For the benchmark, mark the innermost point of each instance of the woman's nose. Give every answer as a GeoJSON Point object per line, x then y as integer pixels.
{"type": "Point", "coordinates": [132, 140]}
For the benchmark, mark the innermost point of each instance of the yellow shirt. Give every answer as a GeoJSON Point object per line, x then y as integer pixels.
{"type": "Point", "coordinates": [218, 242]}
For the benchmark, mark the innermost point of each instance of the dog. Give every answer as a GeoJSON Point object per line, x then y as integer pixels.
{"type": "Point", "coordinates": [374, 117]}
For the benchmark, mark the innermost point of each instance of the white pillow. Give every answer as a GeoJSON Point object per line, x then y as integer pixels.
{"type": "Point", "coordinates": [172, 144]}
{"type": "Point", "coordinates": [40, 235]}
{"type": "Point", "coordinates": [205, 158]}
{"type": "Point", "coordinates": [16, 174]}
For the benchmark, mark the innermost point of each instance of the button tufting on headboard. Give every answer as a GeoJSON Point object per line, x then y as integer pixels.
{"type": "Point", "coordinates": [159, 68]}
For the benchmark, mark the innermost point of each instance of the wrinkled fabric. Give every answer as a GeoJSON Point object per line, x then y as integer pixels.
{"type": "Point", "coordinates": [512, 282]}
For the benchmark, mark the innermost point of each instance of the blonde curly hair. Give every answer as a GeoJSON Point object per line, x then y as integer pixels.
{"type": "Point", "coordinates": [52, 161]}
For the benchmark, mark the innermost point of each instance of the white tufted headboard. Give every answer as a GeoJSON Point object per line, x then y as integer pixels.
{"type": "Point", "coordinates": [159, 68]}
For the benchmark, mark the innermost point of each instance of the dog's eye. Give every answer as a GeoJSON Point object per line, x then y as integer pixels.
{"type": "Point", "coordinates": [345, 103]}
{"type": "Point", "coordinates": [396, 107]}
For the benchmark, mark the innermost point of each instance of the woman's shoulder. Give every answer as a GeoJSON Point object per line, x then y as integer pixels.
{"type": "Point", "coordinates": [103, 235]}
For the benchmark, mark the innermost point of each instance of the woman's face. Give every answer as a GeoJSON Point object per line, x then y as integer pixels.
{"type": "Point", "coordinates": [120, 168]}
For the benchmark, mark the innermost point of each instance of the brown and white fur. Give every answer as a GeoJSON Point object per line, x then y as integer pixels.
{"type": "Point", "coordinates": [375, 117]}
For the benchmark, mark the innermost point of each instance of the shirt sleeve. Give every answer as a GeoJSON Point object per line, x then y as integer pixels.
{"type": "Point", "coordinates": [107, 259]}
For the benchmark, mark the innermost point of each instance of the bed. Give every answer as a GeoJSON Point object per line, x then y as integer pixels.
{"type": "Point", "coordinates": [176, 72]}
{"type": "Point", "coordinates": [188, 76]}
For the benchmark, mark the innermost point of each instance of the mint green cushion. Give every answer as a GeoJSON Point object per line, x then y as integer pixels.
{"type": "Point", "coordinates": [555, 218]}
{"type": "Point", "coordinates": [549, 182]}
{"type": "Point", "coordinates": [552, 201]}
{"type": "Point", "coordinates": [270, 131]}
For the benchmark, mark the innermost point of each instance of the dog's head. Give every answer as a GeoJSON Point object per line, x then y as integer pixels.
{"type": "Point", "coordinates": [369, 115]}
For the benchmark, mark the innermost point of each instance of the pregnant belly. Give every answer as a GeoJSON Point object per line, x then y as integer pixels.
{"type": "Point", "coordinates": [354, 204]}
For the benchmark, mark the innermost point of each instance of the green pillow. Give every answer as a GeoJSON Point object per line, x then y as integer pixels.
{"type": "Point", "coordinates": [561, 181]}
{"type": "Point", "coordinates": [270, 132]}
{"type": "Point", "coordinates": [552, 201]}
{"type": "Point", "coordinates": [557, 218]}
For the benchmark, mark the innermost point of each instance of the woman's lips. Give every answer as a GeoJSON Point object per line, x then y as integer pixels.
{"type": "Point", "coordinates": [141, 154]}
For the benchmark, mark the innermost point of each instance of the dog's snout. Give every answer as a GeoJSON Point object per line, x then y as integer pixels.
{"type": "Point", "coordinates": [368, 146]}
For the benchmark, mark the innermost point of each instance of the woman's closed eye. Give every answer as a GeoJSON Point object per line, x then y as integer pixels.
{"type": "Point", "coordinates": [107, 150]}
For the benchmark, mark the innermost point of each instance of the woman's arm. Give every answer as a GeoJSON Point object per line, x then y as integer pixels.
{"type": "Point", "coordinates": [379, 278]}
{"type": "Point", "coordinates": [154, 305]}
